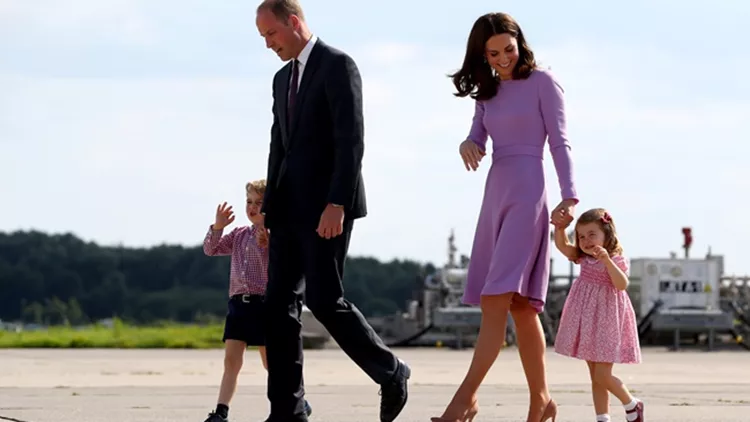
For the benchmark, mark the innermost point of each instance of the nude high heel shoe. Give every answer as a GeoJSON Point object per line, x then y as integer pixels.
{"type": "Point", "coordinates": [550, 412]}
{"type": "Point", "coordinates": [468, 415]}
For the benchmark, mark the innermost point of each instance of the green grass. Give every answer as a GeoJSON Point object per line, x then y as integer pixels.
{"type": "Point", "coordinates": [119, 336]}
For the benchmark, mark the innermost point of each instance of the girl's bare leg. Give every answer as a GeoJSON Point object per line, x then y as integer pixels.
{"type": "Point", "coordinates": [603, 374]}
{"type": "Point", "coordinates": [599, 392]}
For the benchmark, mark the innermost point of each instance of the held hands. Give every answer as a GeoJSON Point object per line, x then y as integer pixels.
{"type": "Point", "coordinates": [562, 215]}
{"type": "Point", "coordinates": [224, 216]}
{"type": "Point", "coordinates": [471, 154]}
{"type": "Point", "coordinates": [331, 222]}
{"type": "Point", "coordinates": [262, 237]}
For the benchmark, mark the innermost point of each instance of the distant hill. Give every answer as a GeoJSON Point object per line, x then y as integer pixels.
{"type": "Point", "coordinates": [53, 279]}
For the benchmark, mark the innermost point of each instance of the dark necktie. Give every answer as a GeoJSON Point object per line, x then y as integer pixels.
{"type": "Point", "coordinates": [293, 88]}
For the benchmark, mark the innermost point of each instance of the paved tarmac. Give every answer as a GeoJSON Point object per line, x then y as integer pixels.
{"type": "Point", "coordinates": [181, 385]}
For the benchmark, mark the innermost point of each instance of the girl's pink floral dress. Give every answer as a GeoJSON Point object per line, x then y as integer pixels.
{"type": "Point", "coordinates": [598, 321]}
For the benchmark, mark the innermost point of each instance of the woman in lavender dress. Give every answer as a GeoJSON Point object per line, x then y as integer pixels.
{"type": "Point", "coordinates": [519, 107]}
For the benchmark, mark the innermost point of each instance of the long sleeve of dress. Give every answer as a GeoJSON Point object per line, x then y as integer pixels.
{"type": "Point", "coordinates": [553, 114]}
{"type": "Point", "coordinates": [478, 133]}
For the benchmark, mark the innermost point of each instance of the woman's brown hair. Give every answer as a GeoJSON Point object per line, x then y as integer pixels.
{"type": "Point", "coordinates": [604, 220]}
{"type": "Point", "coordinates": [476, 77]}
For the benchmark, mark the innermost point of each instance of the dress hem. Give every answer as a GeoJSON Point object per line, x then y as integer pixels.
{"type": "Point", "coordinates": [598, 360]}
{"type": "Point", "coordinates": [536, 303]}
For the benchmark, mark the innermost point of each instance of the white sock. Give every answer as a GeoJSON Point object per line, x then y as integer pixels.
{"type": "Point", "coordinates": [602, 418]}
{"type": "Point", "coordinates": [630, 406]}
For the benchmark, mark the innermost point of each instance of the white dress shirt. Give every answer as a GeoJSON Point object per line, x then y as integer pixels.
{"type": "Point", "coordinates": [303, 57]}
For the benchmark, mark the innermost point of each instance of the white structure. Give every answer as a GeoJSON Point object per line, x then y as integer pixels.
{"type": "Point", "coordinates": [678, 283]}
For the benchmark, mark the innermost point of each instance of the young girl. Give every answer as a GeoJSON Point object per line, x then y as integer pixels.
{"type": "Point", "coordinates": [598, 322]}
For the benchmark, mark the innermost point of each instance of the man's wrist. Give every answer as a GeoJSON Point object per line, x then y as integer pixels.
{"type": "Point", "coordinates": [337, 205]}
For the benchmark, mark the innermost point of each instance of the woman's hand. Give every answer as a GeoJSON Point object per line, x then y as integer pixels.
{"type": "Point", "coordinates": [562, 215]}
{"type": "Point", "coordinates": [471, 154]}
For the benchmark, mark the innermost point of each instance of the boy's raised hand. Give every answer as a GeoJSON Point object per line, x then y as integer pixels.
{"type": "Point", "coordinates": [224, 216]}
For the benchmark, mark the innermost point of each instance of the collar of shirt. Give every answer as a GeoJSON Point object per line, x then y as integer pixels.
{"type": "Point", "coordinates": [304, 55]}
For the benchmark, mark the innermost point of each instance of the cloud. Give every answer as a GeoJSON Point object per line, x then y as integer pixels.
{"type": "Point", "coordinates": [640, 144]}
{"type": "Point", "coordinates": [144, 160]}
{"type": "Point", "coordinates": [389, 53]}
{"type": "Point", "coordinates": [136, 161]}
{"type": "Point", "coordinates": [74, 21]}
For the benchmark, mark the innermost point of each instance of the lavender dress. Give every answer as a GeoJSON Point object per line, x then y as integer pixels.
{"type": "Point", "coordinates": [511, 243]}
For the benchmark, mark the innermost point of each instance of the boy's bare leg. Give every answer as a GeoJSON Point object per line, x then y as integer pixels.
{"type": "Point", "coordinates": [234, 351]}
{"type": "Point", "coordinates": [263, 358]}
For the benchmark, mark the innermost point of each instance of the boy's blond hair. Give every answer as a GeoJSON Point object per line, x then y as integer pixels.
{"type": "Point", "coordinates": [257, 186]}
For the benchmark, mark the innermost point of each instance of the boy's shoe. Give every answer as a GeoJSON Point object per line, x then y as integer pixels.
{"type": "Point", "coordinates": [215, 417]}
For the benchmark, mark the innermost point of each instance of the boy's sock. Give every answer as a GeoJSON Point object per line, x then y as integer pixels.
{"type": "Point", "coordinates": [602, 418]}
{"type": "Point", "coordinates": [630, 406]}
{"type": "Point", "coordinates": [222, 410]}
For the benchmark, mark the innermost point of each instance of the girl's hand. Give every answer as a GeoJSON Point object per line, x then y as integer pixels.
{"type": "Point", "coordinates": [224, 216]}
{"type": "Point", "coordinates": [562, 215]}
{"type": "Point", "coordinates": [600, 253]}
{"type": "Point", "coordinates": [471, 154]}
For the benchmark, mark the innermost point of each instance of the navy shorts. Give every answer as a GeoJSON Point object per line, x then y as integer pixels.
{"type": "Point", "coordinates": [245, 320]}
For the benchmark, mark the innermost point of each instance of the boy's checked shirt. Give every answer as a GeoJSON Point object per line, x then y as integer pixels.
{"type": "Point", "coordinates": [248, 273]}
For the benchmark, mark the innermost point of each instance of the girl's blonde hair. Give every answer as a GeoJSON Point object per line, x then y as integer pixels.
{"type": "Point", "coordinates": [604, 220]}
{"type": "Point", "coordinates": [257, 186]}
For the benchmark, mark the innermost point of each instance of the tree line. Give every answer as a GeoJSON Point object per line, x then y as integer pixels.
{"type": "Point", "coordinates": [61, 279]}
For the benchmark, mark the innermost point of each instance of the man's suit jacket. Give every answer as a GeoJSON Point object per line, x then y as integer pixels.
{"type": "Point", "coordinates": [316, 158]}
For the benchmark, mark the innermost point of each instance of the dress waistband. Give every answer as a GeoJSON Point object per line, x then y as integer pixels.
{"type": "Point", "coordinates": [533, 150]}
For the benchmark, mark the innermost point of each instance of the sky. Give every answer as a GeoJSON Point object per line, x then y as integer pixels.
{"type": "Point", "coordinates": [128, 121]}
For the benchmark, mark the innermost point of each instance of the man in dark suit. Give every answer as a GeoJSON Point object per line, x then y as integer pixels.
{"type": "Point", "coordinates": [314, 193]}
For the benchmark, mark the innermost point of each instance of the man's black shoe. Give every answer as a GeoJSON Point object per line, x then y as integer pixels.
{"type": "Point", "coordinates": [394, 393]}
{"type": "Point", "coordinates": [215, 417]}
{"type": "Point", "coordinates": [308, 408]}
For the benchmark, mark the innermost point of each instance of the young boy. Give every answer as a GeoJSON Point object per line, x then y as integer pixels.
{"type": "Point", "coordinates": [247, 284]}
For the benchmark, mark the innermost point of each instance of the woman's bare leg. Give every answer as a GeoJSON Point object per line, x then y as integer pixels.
{"type": "Point", "coordinates": [531, 347]}
{"type": "Point", "coordinates": [489, 342]}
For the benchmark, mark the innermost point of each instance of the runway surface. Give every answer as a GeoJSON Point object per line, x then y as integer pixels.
{"type": "Point", "coordinates": [181, 385]}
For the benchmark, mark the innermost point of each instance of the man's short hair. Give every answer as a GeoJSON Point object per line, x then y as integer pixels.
{"type": "Point", "coordinates": [283, 9]}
